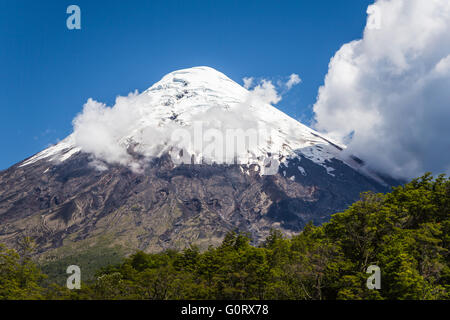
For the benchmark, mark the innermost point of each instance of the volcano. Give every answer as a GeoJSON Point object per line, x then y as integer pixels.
{"type": "Point", "coordinates": [159, 170]}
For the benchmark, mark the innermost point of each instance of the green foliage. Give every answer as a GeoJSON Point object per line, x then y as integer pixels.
{"type": "Point", "coordinates": [19, 276]}
{"type": "Point", "coordinates": [405, 233]}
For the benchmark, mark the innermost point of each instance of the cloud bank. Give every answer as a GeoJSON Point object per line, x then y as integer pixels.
{"type": "Point", "coordinates": [387, 95]}
{"type": "Point", "coordinates": [138, 124]}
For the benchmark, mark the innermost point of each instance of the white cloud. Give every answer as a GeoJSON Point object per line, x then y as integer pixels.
{"type": "Point", "coordinates": [136, 128]}
{"type": "Point", "coordinates": [388, 94]}
{"type": "Point", "coordinates": [248, 82]}
{"type": "Point", "coordinates": [98, 128]}
{"type": "Point", "coordinates": [104, 131]}
{"type": "Point", "coordinates": [294, 79]}
{"type": "Point", "coordinates": [266, 92]}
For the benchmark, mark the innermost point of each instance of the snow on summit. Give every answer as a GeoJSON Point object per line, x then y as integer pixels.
{"type": "Point", "coordinates": [197, 112]}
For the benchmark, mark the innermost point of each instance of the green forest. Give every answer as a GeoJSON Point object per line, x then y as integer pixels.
{"type": "Point", "coordinates": [405, 233]}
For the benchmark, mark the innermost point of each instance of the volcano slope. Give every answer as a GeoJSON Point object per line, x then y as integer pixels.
{"type": "Point", "coordinates": [72, 197]}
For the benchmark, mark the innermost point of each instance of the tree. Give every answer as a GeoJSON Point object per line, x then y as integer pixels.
{"type": "Point", "coordinates": [19, 276]}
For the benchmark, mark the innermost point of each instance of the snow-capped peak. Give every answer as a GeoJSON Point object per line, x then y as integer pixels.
{"type": "Point", "coordinates": [193, 110]}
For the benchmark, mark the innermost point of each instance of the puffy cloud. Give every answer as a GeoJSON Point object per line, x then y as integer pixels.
{"type": "Point", "coordinates": [266, 92]}
{"type": "Point", "coordinates": [120, 135]}
{"type": "Point", "coordinates": [294, 79]}
{"type": "Point", "coordinates": [137, 127]}
{"type": "Point", "coordinates": [387, 95]}
{"type": "Point", "coordinates": [248, 82]}
{"type": "Point", "coordinates": [98, 128]}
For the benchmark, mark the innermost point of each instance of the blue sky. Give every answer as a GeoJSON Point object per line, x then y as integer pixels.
{"type": "Point", "coordinates": [48, 72]}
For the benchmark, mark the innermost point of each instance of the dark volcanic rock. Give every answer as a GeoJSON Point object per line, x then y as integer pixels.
{"type": "Point", "coordinates": [166, 206]}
